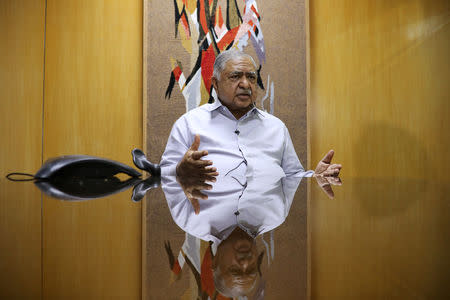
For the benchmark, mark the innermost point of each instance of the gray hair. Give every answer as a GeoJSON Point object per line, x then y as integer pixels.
{"type": "Point", "coordinates": [225, 56]}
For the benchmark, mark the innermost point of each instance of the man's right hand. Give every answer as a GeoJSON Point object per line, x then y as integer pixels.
{"type": "Point", "coordinates": [193, 166]}
{"type": "Point", "coordinates": [193, 173]}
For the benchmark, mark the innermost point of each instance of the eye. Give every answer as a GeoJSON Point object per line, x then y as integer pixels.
{"type": "Point", "coordinates": [235, 271]}
{"type": "Point", "coordinates": [251, 77]}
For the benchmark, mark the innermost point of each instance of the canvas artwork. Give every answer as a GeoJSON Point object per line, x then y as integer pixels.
{"type": "Point", "coordinates": [204, 32]}
{"type": "Point", "coordinates": [181, 41]}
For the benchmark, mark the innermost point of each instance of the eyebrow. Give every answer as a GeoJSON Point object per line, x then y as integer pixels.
{"type": "Point", "coordinates": [240, 73]}
{"type": "Point", "coordinates": [235, 270]}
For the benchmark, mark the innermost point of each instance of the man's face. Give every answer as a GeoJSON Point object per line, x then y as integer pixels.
{"type": "Point", "coordinates": [237, 261]}
{"type": "Point", "coordinates": [237, 85]}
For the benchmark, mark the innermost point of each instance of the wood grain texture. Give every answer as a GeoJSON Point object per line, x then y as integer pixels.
{"type": "Point", "coordinates": [21, 77]}
{"type": "Point", "coordinates": [379, 86]}
{"type": "Point", "coordinates": [93, 106]}
{"type": "Point", "coordinates": [379, 97]}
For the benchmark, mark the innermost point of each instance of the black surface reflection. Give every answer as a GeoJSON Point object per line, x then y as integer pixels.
{"type": "Point", "coordinates": [84, 177]}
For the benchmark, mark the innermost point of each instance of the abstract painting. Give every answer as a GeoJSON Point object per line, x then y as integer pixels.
{"type": "Point", "coordinates": [204, 32]}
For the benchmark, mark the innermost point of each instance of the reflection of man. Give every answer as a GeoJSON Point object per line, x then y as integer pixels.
{"type": "Point", "coordinates": [231, 219]}
{"type": "Point", "coordinates": [236, 266]}
{"type": "Point", "coordinates": [237, 137]}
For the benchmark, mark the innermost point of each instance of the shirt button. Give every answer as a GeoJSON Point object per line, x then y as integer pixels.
{"type": "Point", "coordinates": [237, 213]}
{"type": "Point", "coordinates": [237, 132]}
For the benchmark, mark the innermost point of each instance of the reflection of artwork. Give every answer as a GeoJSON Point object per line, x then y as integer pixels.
{"type": "Point", "coordinates": [198, 255]}
{"type": "Point", "coordinates": [204, 33]}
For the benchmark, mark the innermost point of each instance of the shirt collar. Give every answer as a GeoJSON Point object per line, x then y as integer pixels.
{"type": "Point", "coordinates": [217, 104]}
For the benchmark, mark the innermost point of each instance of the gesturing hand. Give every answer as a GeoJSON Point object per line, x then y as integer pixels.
{"type": "Point", "coordinates": [193, 173]}
{"type": "Point", "coordinates": [327, 174]}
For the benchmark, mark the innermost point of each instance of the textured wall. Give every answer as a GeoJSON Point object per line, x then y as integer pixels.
{"type": "Point", "coordinates": [283, 27]}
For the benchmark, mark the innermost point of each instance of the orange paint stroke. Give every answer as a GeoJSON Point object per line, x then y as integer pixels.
{"type": "Point", "coordinates": [227, 38]}
{"type": "Point", "coordinates": [220, 17]}
{"type": "Point", "coordinates": [208, 58]}
{"type": "Point", "coordinates": [177, 72]}
{"type": "Point", "coordinates": [203, 22]}
{"type": "Point", "coordinates": [255, 11]}
{"type": "Point", "coordinates": [185, 25]}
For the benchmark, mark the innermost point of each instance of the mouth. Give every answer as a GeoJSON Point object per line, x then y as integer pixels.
{"type": "Point", "coordinates": [245, 93]}
{"type": "Point", "coordinates": [244, 96]}
{"type": "Point", "coordinates": [243, 246]}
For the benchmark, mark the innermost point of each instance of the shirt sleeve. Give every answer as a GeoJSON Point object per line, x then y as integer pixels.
{"type": "Point", "coordinates": [177, 145]}
{"type": "Point", "coordinates": [290, 163]}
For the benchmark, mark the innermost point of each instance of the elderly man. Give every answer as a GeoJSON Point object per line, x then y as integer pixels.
{"type": "Point", "coordinates": [237, 139]}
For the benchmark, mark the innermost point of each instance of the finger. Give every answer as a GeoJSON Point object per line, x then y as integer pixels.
{"type": "Point", "coordinates": [196, 143]}
{"type": "Point", "coordinates": [327, 158]}
{"type": "Point", "coordinates": [196, 155]}
{"type": "Point", "coordinates": [328, 190]}
{"type": "Point", "coordinates": [202, 164]}
{"type": "Point", "coordinates": [210, 178]}
{"type": "Point", "coordinates": [211, 170]}
{"type": "Point", "coordinates": [336, 166]}
{"type": "Point", "coordinates": [195, 205]}
{"type": "Point", "coordinates": [203, 186]}
{"type": "Point", "coordinates": [199, 195]}
{"type": "Point", "coordinates": [335, 180]}
{"type": "Point", "coordinates": [331, 172]}
{"type": "Point", "coordinates": [200, 185]}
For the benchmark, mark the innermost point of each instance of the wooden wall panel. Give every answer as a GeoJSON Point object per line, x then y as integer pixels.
{"type": "Point", "coordinates": [21, 77]}
{"type": "Point", "coordinates": [93, 105]}
{"type": "Point", "coordinates": [379, 86]}
{"type": "Point", "coordinates": [379, 96]}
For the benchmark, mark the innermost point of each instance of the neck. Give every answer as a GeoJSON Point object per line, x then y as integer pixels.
{"type": "Point", "coordinates": [238, 113]}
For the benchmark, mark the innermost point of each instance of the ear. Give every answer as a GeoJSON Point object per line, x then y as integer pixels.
{"type": "Point", "coordinates": [214, 82]}
{"type": "Point", "coordinates": [214, 263]}
{"type": "Point", "coordinates": [260, 258]}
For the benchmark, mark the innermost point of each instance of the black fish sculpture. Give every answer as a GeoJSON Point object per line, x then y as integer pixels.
{"type": "Point", "coordinates": [84, 177]}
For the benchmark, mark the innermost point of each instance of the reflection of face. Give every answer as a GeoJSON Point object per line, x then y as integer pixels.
{"type": "Point", "coordinates": [236, 88]}
{"type": "Point", "coordinates": [236, 263]}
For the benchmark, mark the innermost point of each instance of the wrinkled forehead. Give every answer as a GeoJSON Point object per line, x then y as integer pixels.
{"type": "Point", "coordinates": [241, 64]}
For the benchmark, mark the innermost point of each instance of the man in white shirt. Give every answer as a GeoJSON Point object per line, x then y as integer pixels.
{"type": "Point", "coordinates": [237, 139]}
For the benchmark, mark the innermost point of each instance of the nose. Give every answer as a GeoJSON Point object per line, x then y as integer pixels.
{"type": "Point", "coordinates": [244, 259]}
{"type": "Point", "coordinates": [244, 83]}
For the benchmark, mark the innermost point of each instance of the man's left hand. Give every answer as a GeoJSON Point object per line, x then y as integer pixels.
{"type": "Point", "coordinates": [327, 174]}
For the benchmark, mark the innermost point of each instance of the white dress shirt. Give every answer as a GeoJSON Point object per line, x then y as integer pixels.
{"type": "Point", "coordinates": [255, 143]}
{"type": "Point", "coordinates": [258, 207]}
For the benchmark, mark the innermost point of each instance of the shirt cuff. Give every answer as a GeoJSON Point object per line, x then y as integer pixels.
{"type": "Point", "coordinates": [308, 173]}
{"type": "Point", "coordinates": [169, 170]}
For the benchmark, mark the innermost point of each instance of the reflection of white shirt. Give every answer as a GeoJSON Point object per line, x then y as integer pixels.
{"type": "Point", "coordinates": [258, 141]}
{"type": "Point", "coordinates": [260, 206]}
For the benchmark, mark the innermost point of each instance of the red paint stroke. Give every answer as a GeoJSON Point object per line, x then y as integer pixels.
{"type": "Point", "coordinates": [176, 269]}
{"type": "Point", "coordinates": [220, 19]}
{"type": "Point", "coordinates": [186, 25]}
{"type": "Point", "coordinates": [177, 72]}
{"type": "Point", "coordinates": [203, 22]}
{"type": "Point", "coordinates": [208, 58]}
{"type": "Point", "coordinates": [250, 23]}
{"type": "Point", "coordinates": [228, 38]}
{"type": "Point", "coordinates": [207, 275]}
{"type": "Point", "coordinates": [255, 11]}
